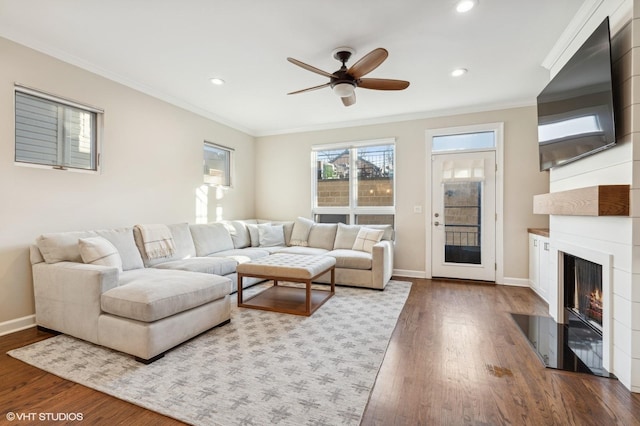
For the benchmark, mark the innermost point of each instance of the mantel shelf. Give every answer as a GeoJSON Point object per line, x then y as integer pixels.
{"type": "Point", "coordinates": [601, 200]}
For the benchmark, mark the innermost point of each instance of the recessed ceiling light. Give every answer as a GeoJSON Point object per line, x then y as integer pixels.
{"type": "Point", "coordinates": [466, 5]}
{"type": "Point", "coordinates": [216, 81]}
{"type": "Point", "coordinates": [458, 72]}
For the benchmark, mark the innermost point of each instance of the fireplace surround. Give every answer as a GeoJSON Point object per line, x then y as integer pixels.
{"type": "Point", "coordinates": [578, 335]}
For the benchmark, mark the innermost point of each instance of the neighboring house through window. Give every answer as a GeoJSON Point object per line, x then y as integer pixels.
{"type": "Point", "coordinates": [54, 132]}
{"type": "Point", "coordinates": [354, 182]}
{"type": "Point", "coordinates": [217, 165]}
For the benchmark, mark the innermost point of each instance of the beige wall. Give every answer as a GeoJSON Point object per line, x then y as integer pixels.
{"type": "Point", "coordinates": [285, 191]}
{"type": "Point", "coordinates": [152, 167]}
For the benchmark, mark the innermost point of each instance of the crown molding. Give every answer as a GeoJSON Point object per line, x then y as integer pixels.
{"type": "Point", "coordinates": [568, 36]}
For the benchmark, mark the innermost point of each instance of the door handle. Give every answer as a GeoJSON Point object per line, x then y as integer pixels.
{"type": "Point", "coordinates": [436, 223]}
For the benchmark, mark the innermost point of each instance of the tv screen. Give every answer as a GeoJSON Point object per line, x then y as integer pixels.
{"type": "Point", "coordinates": [575, 110]}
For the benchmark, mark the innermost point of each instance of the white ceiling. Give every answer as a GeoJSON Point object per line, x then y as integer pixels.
{"type": "Point", "coordinates": [170, 49]}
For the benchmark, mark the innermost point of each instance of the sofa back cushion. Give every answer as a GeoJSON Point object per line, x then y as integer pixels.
{"type": "Point", "coordinates": [346, 235]}
{"type": "Point", "coordinates": [99, 251]}
{"type": "Point", "coordinates": [122, 239]}
{"type": "Point", "coordinates": [322, 235]}
{"type": "Point", "coordinates": [300, 232]}
{"type": "Point", "coordinates": [181, 238]}
{"type": "Point", "coordinates": [62, 246]}
{"type": "Point", "coordinates": [239, 233]}
{"type": "Point", "coordinates": [210, 238]}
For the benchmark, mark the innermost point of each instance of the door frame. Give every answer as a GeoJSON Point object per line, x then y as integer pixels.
{"type": "Point", "coordinates": [498, 128]}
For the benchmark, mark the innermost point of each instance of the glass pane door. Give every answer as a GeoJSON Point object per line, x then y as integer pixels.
{"type": "Point", "coordinates": [463, 222]}
{"type": "Point", "coordinates": [463, 216]}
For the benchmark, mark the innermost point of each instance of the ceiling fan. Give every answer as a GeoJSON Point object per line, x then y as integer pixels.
{"type": "Point", "coordinates": [345, 80]}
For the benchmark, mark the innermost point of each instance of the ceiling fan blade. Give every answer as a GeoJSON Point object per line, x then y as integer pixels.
{"type": "Point", "coordinates": [349, 100]}
{"type": "Point", "coordinates": [309, 89]}
{"type": "Point", "coordinates": [368, 62]}
{"type": "Point", "coordinates": [383, 84]}
{"type": "Point", "coordinates": [309, 67]}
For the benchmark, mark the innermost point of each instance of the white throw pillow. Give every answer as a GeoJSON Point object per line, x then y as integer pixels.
{"type": "Point", "coordinates": [367, 238]}
{"type": "Point", "coordinates": [99, 251]}
{"type": "Point", "coordinates": [271, 235]}
{"type": "Point", "coordinates": [254, 237]}
{"type": "Point", "coordinates": [300, 234]}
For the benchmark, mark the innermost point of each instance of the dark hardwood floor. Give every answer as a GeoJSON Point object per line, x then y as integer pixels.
{"type": "Point", "coordinates": [455, 358]}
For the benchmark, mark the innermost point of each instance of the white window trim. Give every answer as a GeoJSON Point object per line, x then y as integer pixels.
{"type": "Point", "coordinates": [352, 210]}
{"type": "Point", "coordinates": [75, 104]}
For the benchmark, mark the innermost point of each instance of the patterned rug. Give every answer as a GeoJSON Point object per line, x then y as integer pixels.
{"type": "Point", "coordinates": [262, 368]}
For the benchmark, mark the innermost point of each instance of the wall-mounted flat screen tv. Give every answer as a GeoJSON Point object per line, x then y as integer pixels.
{"type": "Point", "coordinates": [576, 109]}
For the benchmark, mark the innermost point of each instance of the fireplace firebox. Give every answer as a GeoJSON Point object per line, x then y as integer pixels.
{"type": "Point", "coordinates": [583, 291]}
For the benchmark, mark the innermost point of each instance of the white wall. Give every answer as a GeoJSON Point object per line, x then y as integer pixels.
{"type": "Point", "coordinates": [152, 167]}
{"type": "Point", "coordinates": [615, 236]}
{"type": "Point", "coordinates": [283, 189]}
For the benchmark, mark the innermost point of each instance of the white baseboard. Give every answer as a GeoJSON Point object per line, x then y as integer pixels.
{"type": "Point", "coordinates": [516, 282]}
{"type": "Point", "coordinates": [17, 324]}
{"type": "Point", "coordinates": [409, 273]}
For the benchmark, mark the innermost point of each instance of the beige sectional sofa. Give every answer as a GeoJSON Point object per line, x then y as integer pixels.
{"type": "Point", "coordinates": [101, 287]}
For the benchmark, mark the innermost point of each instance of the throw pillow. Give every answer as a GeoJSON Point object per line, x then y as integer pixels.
{"type": "Point", "coordinates": [367, 238]}
{"type": "Point", "coordinates": [300, 234]}
{"type": "Point", "coordinates": [254, 237]}
{"type": "Point", "coordinates": [271, 235]}
{"type": "Point", "coordinates": [346, 236]}
{"type": "Point", "coordinates": [99, 251]}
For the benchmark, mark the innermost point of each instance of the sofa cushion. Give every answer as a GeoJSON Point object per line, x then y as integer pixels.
{"type": "Point", "coordinates": [210, 238]}
{"type": "Point", "coordinates": [208, 265]}
{"type": "Point", "coordinates": [313, 251]}
{"type": "Point", "coordinates": [62, 246]}
{"type": "Point", "coordinates": [300, 233]}
{"type": "Point", "coordinates": [323, 235]}
{"type": "Point", "coordinates": [367, 238]}
{"type": "Point", "coordinates": [388, 234]}
{"type": "Point", "coordinates": [99, 251]}
{"type": "Point", "coordinates": [254, 235]}
{"type": "Point", "coordinates": [239, 233]}
{"type": "Point", "coordinates": [242, 255]}
{"type": "Point", "coordinates": [271, 235]}
{"type": "Point", "coordinates": [182, 240]}
{"type": "Point", "coordinates": [346, 236]}
{"type": "Point", "coordinates": [123, 239]}
{"type": "Point", "coordinates": [151, 294]}
{"type": "Point", "coordinates": [351, 259]}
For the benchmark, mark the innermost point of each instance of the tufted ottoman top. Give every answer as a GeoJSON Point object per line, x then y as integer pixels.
{"type": "Point", "coordinates": [288, 266]}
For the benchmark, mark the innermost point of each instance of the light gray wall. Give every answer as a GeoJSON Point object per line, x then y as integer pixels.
{"type": "Point", "coordinates": [284, 187]}
{"type": "Point", "coordinates": [152, 168]}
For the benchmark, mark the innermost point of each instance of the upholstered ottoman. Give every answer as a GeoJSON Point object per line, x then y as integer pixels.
{"type": "Point", "coordinates": [293, 268]}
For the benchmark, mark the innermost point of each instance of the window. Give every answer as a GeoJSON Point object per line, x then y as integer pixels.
{"type": "Point", "coordinates": [217, 164]}
{"type": "Point", "coordinates": [54, 132]}
{"type": "Point", "coordinates": [354, 183]}
{"type": "Point", "coordinates": [464, 141]}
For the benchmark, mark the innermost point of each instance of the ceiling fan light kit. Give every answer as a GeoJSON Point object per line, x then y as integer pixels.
{"type": "Point", "coordinates": [344, 89]}
{"type": "Point", "coordinates": [344, 81]}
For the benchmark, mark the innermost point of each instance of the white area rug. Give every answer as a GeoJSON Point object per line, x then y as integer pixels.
{"type": "Point", "coordinates": [262, 368]}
